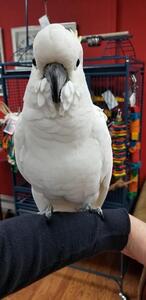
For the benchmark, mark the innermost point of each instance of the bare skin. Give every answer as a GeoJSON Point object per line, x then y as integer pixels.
{"type": "Point", "coordinates": [136, 246]}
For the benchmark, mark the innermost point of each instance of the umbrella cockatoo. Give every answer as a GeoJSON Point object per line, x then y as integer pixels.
{"type": "Point", "coordinates": [62, 143]}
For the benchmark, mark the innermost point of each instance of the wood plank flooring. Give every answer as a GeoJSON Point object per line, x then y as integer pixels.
{"type": "Point", "coordinates": [71, 284]}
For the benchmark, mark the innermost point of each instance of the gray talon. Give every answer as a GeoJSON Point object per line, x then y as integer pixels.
{"type": "Point", "coordinates": [100, 212]}
{"type": "Point", "coordinates": [97, 210]}
{"type": "Point", "coordinates": [48, 212]}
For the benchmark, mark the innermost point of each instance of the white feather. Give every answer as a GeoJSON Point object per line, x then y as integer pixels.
{"type": "Point", "coordinates": [67, 156]}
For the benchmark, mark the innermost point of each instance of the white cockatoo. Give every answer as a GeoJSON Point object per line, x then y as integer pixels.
{"type": "Point", "coordinates": [62, 143]}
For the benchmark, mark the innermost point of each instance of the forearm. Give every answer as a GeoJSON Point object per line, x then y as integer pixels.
{"type": "Point", "coordinates": [136, 245]}
{"type": "Point", "coordinates": [32, 247]}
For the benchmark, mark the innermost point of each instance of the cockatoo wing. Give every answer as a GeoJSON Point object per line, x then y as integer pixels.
{"type": "Point", "coordinates": [100, 131]}
{"type": "Point", "coordinates": [19, 140]}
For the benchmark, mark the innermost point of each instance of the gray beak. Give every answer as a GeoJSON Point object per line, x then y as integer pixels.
{"type": "Point", "coordinates": [57, 76]}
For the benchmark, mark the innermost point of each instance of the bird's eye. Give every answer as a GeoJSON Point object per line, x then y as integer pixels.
{"type": "Point", "coordinates": [34, 62]}
{"type": "Point", "coordinates": [77, 63]}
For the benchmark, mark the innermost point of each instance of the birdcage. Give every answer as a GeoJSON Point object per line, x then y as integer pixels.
{"type": "Point", "coordinates": [116, 85]}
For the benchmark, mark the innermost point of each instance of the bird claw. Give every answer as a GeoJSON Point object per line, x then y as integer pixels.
{"type": "Point", "coordinates": [48, 212]}
{"type": "Point", "coordinates": [97, 210]}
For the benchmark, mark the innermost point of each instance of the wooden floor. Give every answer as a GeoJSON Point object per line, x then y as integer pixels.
{"type": "Point", "coordinates": [70, 284]}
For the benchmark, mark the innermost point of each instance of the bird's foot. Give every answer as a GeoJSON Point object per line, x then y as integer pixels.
{"type": "Point", "coordinates": [97, 210]}
{"type": "Point", "coordinates": [48, 212]}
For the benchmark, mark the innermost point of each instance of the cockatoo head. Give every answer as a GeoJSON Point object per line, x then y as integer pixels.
{"type": "Point", "coordinates": [55, 44]}
{"type": "Point", "coordinates": [58, 56]}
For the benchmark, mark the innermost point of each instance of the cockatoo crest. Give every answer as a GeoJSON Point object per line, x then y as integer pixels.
{"type": "Point", "coordinates": [57, 76]}
{"type": "Point", "coordinates": [55, 44]}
